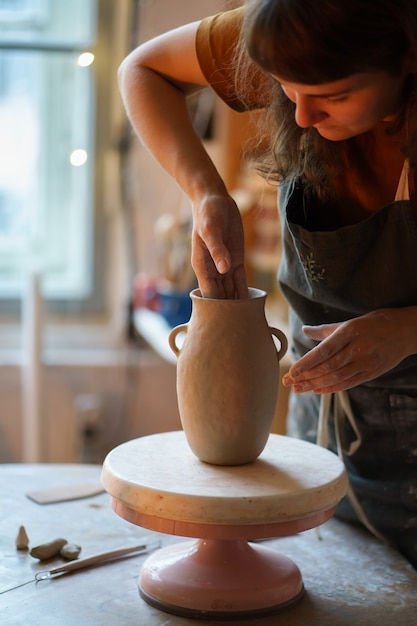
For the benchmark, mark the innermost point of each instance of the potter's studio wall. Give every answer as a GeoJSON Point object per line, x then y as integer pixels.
{"type": "Point", "coordinates": [87, 408]}
{"type": "Point", "coordinates": [91, 400]}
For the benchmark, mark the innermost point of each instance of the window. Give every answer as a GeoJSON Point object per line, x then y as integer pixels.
{"type": "Point", "coordinates": [53, 56]}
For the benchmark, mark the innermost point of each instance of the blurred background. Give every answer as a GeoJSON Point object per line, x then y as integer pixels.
{"type": "Point", "coordinates": [94, 236]}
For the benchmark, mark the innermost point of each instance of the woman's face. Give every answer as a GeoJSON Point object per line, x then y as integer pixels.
{"type": "Point", "coordinates": [348, 107]}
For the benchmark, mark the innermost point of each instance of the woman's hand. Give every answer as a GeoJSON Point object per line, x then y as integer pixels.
{"type": "Point", "coordinates": [155, 81]}
{"type": "Point", "coordinates": [355, 351]}
{"type": "Point", "coordinates": [218, 248]}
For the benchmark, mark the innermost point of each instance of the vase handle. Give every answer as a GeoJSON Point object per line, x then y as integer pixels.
{"type": "Point", "coordinates": [173, 335]}
{"type": "Point", "coordinates": [282, 339]}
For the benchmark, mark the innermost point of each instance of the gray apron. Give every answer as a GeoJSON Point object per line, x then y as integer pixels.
{"type": "Point", "coordinates": [331, 276]}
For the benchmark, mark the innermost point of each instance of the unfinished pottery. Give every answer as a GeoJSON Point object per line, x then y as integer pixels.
{"type": "Point", "coordinates": [227, 377]}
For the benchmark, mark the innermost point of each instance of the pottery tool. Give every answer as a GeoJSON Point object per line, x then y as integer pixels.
{"type": "Point", "coordinates": [97, 559]}
{"type": "Point", "coordinates": [63, 493]}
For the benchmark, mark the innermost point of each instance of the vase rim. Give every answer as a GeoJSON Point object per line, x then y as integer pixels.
{"type": "Point", "coordinates": [253, 293]}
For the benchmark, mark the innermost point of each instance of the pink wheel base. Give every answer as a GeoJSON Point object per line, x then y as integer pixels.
{"type": "Point", "coordinates": [156, 482]}
{"type": "Point", "coordinates": [220, 579]}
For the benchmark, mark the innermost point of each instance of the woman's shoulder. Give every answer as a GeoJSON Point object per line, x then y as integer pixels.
{"type": "Point", "coordinates": [235, 78]}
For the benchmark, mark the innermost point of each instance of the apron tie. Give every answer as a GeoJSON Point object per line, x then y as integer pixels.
{"type": "Point", "coordinates": [403, 190]}
{"type": "Point", "coordinates": [342, 411]}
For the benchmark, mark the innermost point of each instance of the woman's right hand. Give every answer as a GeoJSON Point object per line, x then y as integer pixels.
{"type": "Point", "coordinates": [155, 80]}
{"type": "Point", "coordinates": [218, 248]}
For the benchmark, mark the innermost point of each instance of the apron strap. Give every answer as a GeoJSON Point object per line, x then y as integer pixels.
{"type": "Point", "coordinates": [403, 191]}
{"type": "Point", "coordinates": [342, 411]}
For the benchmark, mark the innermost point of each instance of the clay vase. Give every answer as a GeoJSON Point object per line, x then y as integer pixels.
{"type": "Point", "coordinates": [227, 377]}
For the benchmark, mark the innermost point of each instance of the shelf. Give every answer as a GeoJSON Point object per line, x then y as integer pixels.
{"type": "Point", "coordinates": [155, 331]}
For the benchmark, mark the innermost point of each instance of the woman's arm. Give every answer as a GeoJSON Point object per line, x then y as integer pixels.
{"type": "Point", "coordinates": [155, 81]}
{"type": "Point", "coordinates": [355, 351]}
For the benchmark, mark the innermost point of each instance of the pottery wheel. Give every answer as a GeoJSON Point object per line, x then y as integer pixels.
{"type": "Point", "coordinates": [157, 482]}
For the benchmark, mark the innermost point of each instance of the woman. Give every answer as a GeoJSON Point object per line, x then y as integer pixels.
{"type": "Point", "coordinates": [337, 83]}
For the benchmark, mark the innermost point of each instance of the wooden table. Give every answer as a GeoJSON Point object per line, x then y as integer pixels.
{"type": "Point", "coordinates": [350, 578]}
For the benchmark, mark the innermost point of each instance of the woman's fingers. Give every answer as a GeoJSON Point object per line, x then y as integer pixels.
{"type": "Point", "coordinates": [350, 353]}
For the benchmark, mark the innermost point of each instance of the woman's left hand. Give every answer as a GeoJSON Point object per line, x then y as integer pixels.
{"type": "Point", "coordinates": [355, 351]}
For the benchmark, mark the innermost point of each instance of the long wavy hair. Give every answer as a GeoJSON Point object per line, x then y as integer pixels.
{"type": "Point", "coordinates": [319, 41]}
